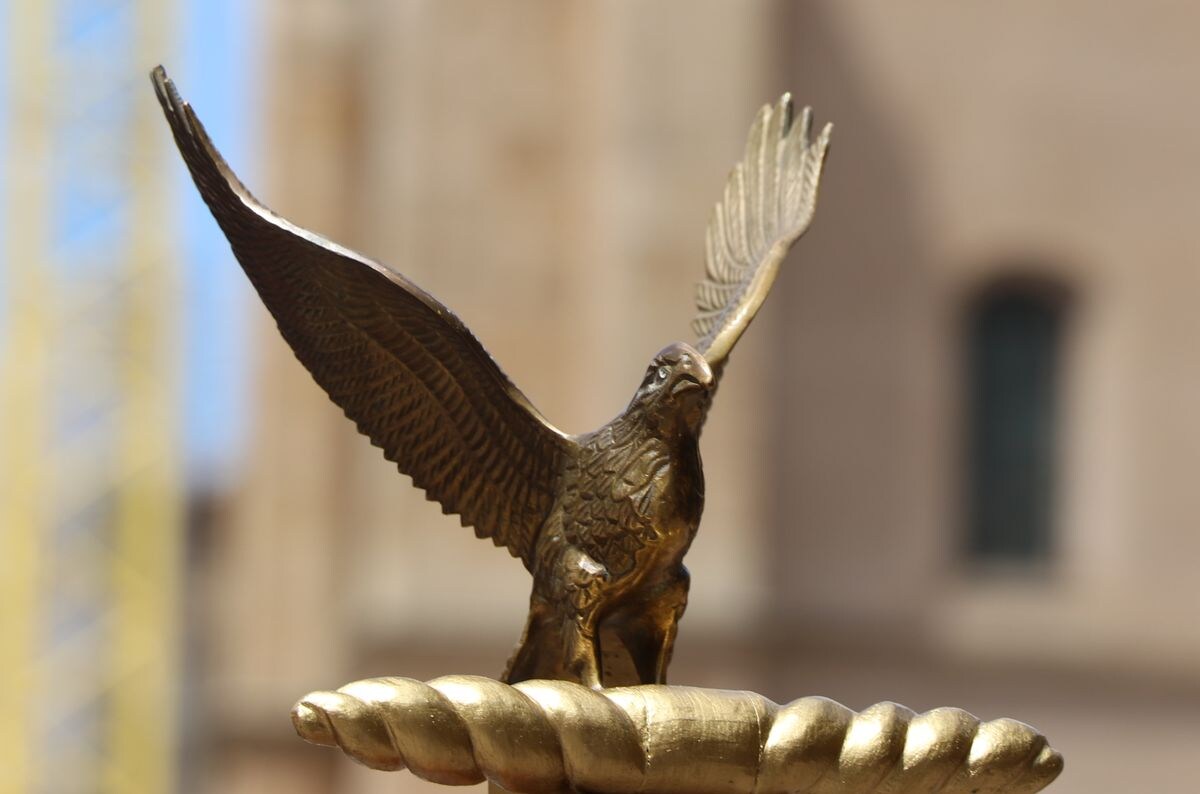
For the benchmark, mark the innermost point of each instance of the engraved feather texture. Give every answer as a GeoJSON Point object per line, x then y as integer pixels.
{"type": "Point", "coordinates": [608, 504]}
{"type": "Point", "coordinates": [402, 366]}
{"type": "Point", "coordinates": [768, 204]}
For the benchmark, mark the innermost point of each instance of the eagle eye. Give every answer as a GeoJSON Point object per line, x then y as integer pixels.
{"type": "Point", "coordinates": [662, 373]}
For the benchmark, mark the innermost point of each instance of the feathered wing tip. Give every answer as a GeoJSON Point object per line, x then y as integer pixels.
{"type": "Point", "coordinates": [768, 203]}
{"type": "Point", "coordinates": [216, 181]}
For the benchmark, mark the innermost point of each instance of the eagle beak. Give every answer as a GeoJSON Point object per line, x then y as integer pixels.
{"type": "Point", "coordinates": [698, 375]}
{"type": "Point", "coordinates": [685, 383]}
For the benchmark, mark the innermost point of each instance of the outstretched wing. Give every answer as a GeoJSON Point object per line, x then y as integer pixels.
{"type": "Point", "coordinates": [768, 203]}
{"type": "Point", "coordinates": [397, 361]}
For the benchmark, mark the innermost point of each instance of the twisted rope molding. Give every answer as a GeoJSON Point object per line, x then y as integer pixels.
{"type": "Point", "coordinates": [554, 736]}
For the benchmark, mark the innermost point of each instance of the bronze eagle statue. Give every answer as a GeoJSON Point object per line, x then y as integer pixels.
{"type": "Point", "coordinates": [601, 520]}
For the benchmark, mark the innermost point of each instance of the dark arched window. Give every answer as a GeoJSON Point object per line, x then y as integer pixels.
{"type": "Point", "coordinates": [1014, 347]}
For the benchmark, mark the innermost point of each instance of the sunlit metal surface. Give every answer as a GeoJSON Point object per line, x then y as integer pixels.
{"type": "Point", "coordinates": [554, 736]}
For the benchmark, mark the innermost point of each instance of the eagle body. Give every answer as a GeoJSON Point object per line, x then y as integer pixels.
{"type": "Point", "coordinates": [602, 520]}
{"type": "Point", "coordinates": [611, 556]}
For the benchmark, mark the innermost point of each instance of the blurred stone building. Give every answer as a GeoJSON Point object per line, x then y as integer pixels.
{"type": "Point", "coordinates": [951, 464]}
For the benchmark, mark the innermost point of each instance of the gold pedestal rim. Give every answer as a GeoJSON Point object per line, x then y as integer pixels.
{"type": "Point", "coordinates": [554, 736]}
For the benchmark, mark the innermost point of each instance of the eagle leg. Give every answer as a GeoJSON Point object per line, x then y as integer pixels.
{"type": "Point", "coordinates": [581, 653]}
{"type": "Point", "coordinates": [585, 583]}
{"type": "Point", "coordinates": [648, 627]}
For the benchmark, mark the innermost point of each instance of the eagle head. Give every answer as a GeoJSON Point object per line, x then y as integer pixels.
{"type": "Point", "coordinates": [678, 384]}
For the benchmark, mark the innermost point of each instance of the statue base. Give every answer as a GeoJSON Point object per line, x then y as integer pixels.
{"type": "Point", "coordinates": [540, 737]}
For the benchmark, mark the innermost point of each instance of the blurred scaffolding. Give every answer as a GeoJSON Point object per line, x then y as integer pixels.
{"type": "Point", "coordinates": [92, 413]}
{"type": "Point", "coordinates": [93, 527]}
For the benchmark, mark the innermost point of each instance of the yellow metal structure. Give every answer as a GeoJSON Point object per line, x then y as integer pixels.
{"type": "Point", "coordinates": [91, 510]}
{"type": "Point", "coordinates": [148, 556]}
{"type": "Point", "coordinates": [22, 383]}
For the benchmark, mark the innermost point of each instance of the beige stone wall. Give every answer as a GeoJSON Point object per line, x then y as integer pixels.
{"type": "Point", "coordinates": [546, 169]}
{"type": "Point", "coordinates": [1045, 136]}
